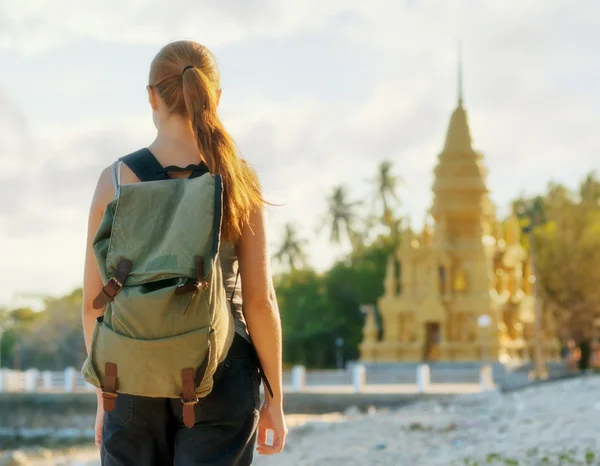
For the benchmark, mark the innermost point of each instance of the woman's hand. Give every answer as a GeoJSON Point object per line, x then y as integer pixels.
{"type": "Point", "coordinates": [98, 426]}
{"type": "Point", "coordinates": [271, 417]}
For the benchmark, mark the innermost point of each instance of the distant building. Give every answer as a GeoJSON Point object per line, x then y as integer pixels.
{"type": "Point", "coordinates": [464, 265]}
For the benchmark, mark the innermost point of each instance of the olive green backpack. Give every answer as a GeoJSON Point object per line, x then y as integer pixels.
{"type": "Point", "coordinates": [167, 322]}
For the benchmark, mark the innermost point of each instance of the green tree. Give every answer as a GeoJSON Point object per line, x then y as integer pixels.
{"type": "Point", "coordinates": [304, 307]}
{"type": "Point", "coordinates": [589, 190]}
{"type": "Point", "coordinates": [291, 250]}
{"type": "Point", "coordinates": [342, 218]}
{"type": "Point", "coordinates": [317, 309]}
{"type": "Point", "coordinates": [16, 324]}
{"type": "Point", "coordinates": [54, 339]}
{"type": "Point", "coordinates": [567, 249]}
{"type": "Point", "coordinates": [386, 185]}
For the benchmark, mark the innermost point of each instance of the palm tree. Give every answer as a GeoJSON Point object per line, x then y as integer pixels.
{"type": "Point", "coordinates": [386, 185]}
{"type": "Point", "coordinates": [341, 216]}
{"type": "Point", "coordinates": [292, 248]}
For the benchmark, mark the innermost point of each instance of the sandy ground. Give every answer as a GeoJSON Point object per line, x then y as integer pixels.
{"type": "Point", "coordinates": [536, 426]}
{"type": "Point", "coordinates": [554, 423]}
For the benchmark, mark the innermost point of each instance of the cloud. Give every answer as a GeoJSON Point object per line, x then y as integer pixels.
{"type": "Point", "coordinates": [38, 25]}
{"type": "Point", "coordinates": [408, 27]}
{"type": "Point", "coordinates": [15, 137]}
{"type": "Point", "coordinates": [54, 173]}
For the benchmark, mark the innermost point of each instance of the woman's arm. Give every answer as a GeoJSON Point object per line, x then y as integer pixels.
{"type": "Point", "coordinates": [92, 281]}
{"type": "Point", "coordinates": [262, 317]}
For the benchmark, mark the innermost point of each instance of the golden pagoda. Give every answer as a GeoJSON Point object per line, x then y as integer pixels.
{"type": "Point", "coordinates": [465, 265]}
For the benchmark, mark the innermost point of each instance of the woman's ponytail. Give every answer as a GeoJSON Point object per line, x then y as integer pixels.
{"type": "Point", "coordinates": [200, 100]}
{"type": "Point", "coordinates": [242, 192]}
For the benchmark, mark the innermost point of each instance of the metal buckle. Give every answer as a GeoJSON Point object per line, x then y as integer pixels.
{"type": "Point", "coordinates": [109, 395]}
{"type": "Point", "coordinates": [202, 285]}
{"type": "Point", "coordinates": [116, 281]}
{"type": "Point", "coordinates": [192, 401]}
{"type": "Point", "coordinates": [181, 281]}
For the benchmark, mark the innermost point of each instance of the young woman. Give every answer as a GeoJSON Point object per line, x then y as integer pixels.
{"type": "Point", "coordinates": [184, 92]}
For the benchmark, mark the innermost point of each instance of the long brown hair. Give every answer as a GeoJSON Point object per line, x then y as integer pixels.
{"type": "Point", "coordinates": [187, 78]}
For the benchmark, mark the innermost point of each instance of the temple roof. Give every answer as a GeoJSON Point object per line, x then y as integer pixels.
{"type": "Point", "coordinates": [459, 176]}
{"type": "Point", "coordinates": [459, 166]}
{"type": "Point", "coordinates": [458, 137]}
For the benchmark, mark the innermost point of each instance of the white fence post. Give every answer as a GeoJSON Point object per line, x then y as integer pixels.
{"type": "Point", "coordinates": [47, 380]}
{"type": "Point", "coordinates": [10, 382]}
{"type": "Point", "coordinates": [359, 378]}
{"type": "Point", "coordinates": [70, 379]}
{"type": "Point", "coordinates": [298, 379]}
{"type": "Point", "coordinates": [423, 378]}
{"type": "Point", "coordinates": [31, 379]}
{"type": "Point", "coordinates": [486, 378]}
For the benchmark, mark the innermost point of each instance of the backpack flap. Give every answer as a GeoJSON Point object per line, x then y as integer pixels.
{"type": "Point", "coordinates": [160, 226]}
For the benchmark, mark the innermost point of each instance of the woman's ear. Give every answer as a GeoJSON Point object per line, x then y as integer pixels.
{"type": "Point", "coordinates": [152, 97]}
{"type": "Point", "coordinates": [219, 92]}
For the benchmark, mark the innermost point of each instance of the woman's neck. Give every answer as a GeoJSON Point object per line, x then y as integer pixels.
{"type": "Point", "coordinates": [175, 143]}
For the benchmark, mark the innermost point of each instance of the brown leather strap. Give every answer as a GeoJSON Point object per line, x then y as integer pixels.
{"type": "Point", "coordinates": [199, 263]}
{"type": "Point", "coordinates": [188, 397]}
{"type": "Point", "coordinates": [237, 275]}
{"type": "Point", "coordinates": [109, 390]}
{"type": "Point", "coordinates": [114, 285]}
{"type": "Point", "coordinates": [199, 284]}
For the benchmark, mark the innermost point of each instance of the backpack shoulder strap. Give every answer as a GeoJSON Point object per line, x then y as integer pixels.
{"type": "Point", "coordinates": [116, 176]}
{"type": "Point", "coordinates": [144, 165]}
{"type": "Point", "coordinates": [237, 275]}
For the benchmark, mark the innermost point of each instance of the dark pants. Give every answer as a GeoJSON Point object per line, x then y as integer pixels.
{"type": "Point", "coordinates": [143, 431]}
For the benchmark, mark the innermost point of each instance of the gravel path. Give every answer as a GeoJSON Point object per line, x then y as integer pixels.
{"type": "Point", "coordinates": [554, 423]}
{"type": "Point", "coordinates": [551, 424]}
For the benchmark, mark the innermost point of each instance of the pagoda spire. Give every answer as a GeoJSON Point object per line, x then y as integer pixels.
{"type": "Point", "coordinates": [459, 169]}
{"type": "Point", "coordinates": [458, 137]}
{"type": "Point", "coordinates": [459, 73]}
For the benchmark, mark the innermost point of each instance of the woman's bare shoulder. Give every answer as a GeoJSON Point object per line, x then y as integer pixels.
{"type": "Point", "coordinates": [104, 191]}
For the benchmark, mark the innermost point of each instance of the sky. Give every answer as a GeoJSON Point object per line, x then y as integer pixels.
{"type": "Point", "coordinates": [316, 94]}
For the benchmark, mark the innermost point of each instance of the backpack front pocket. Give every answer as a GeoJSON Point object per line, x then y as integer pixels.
{"type": "Point", "coordinates": [151, 367]}
{"type": "Point", "coordinates": [155, 310]}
